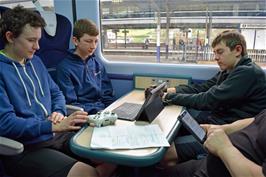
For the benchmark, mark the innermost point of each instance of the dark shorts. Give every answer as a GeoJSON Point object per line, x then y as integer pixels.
{"type": "Point", "coordinates": [187, 148]}
{"type": "Point", "coordinates": [192, 168]}
{"type": "Point", "coordinates": [52, 158]}
{"type": "Point", "coordinates": [211, 166]}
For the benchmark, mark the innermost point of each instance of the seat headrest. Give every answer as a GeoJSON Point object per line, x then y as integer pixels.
{"type": "Point", "coordinates": [2, 10]}
{"type": "Point", "coordinates": [53, 48]}
{"type": "Point", "coordinates": [51, 22]}
{"type": "Point", "coordinates": [49, 18]}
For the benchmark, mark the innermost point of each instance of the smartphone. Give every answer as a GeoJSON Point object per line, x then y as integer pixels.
{"type": "Point", "coordinates": [192, 126]}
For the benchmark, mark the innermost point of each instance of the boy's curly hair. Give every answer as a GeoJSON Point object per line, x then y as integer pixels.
{"type": "Point", "coordinates": [15, 19]}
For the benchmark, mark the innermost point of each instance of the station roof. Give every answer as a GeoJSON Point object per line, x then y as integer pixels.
{"type": "Point", "coordinates": [193, 5]}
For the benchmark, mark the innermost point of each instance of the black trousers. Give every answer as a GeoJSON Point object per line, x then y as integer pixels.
{"type": "Point", "coordinates": [51, 158]}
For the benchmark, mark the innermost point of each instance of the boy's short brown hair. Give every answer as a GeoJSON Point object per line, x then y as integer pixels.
{"type": "Point", "coordinates": [85, 26]}
{"type": "Point", "coordinates": [231, 38]}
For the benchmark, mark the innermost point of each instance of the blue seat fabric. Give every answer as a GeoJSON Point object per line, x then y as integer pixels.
{"type": "Point", "coordinates": [54, 48]}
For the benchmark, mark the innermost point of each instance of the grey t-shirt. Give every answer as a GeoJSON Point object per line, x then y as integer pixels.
{"type": "Point", "coordinates": [250, 141]}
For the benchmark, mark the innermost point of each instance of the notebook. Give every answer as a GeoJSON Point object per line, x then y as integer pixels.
{"type": "Point", "coordinates": [148, 111]}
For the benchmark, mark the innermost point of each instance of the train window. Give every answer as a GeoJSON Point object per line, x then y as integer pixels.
{"type": "Point", "coordinates": [178, 31]}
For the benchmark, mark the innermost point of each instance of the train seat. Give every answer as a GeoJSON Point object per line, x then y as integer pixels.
{"type": "Point", "coordinates": [9, 147]}
{"type": "Point", "coordinates": [54, 44]}
{"type": "Point", "coordinates": [2, 10]}
{"type": "Point", "coordinates": [53, 48]}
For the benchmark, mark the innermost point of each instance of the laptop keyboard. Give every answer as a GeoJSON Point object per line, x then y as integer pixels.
{"type": "Point", "coordinates": [127, 111]}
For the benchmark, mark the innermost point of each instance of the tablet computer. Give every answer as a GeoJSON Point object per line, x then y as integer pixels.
{"type": "Point", "coordinates": [192, 126]}
{"type": "Point", "coordinates": [147, 111]}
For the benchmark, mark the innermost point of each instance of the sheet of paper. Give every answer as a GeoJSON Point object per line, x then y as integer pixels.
{"type": "Point", "coordinates": [128, 137]}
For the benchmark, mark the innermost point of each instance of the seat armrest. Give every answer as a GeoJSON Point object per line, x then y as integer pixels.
{"type": "Point", "coordinates": [10, 147]}
{"type": "Point", "coordinates": [71, 109]}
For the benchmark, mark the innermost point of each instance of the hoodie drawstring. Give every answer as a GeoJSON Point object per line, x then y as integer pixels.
{"type": "Point", "coordinates": [34, 89]}
{"type": "Point", "coordinates": [40, 86]}
{"type": "Point", "coordinates": [24, 86]}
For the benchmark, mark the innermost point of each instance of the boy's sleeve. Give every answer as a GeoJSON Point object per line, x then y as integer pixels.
{"type": "Point", "coordinates": [234, 88]}
{"type": "Point", "coordinates": [57, 97]}
{"type": "Point", "coordinates": [15, 127]}
{"type": "Point", "coordinates": [65, 84]}
{"type": "Point", "coordinates": [197, 88]}
{"type": "Point", "coordinates": [107, 89]}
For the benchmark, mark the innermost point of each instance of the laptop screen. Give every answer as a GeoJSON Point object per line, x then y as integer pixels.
{"type": "Point", "coordinates": [153, 105]}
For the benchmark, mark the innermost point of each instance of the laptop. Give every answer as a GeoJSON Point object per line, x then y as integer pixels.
{"type": "Point", "coordinates": [147, 111]}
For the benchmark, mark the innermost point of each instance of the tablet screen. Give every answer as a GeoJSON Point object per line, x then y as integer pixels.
{"type": "Point", "coordinates": [193, 126]}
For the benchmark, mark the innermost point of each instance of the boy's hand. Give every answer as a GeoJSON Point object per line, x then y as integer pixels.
{"type": "Point", "coordinates": [72, 122]}
{"type": "Point", "coordinates": [170, 90]}
{"type": "Point", "coordinates": [217, 142]}
{"type": "Point", "coordinates": [148, 90]}
{"type": "Point", "coordinates": [208, 127]}
{"type": "Point", "coordinates": [56, 117]}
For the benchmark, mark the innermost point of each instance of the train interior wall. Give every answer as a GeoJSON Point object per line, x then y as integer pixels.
{"type": "Point", "coordinates": [122, 73]}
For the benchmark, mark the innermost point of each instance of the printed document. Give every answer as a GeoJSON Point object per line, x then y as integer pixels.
{"type": "Point", "coordinates": [128, 137]}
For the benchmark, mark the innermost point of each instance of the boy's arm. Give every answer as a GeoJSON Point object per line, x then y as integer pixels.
{"type": "Point", "coordinates": [66, 86]}
{"type": "Point", "coordinates": [228, 91]}
{"type": "Point", "coordinates": [15, 127]}
{"type": "Point", "coordinates": [57, 97]}
{"type": "Point", "coordinates": [237, 164]}
{"type": "Point", "coordinates": [237, 125]}
{"type": "Point", "coordinates": [194, 88]}
{"type": "Point", "coordinates": [229, 128]}
{"type": "Point", "coordinates": [107, 89]}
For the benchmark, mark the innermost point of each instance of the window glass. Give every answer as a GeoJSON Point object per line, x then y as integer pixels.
{"type": "Point", "coordinates": [45, 4]}
{"type": "Point", "coordinates": [178, 31]}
